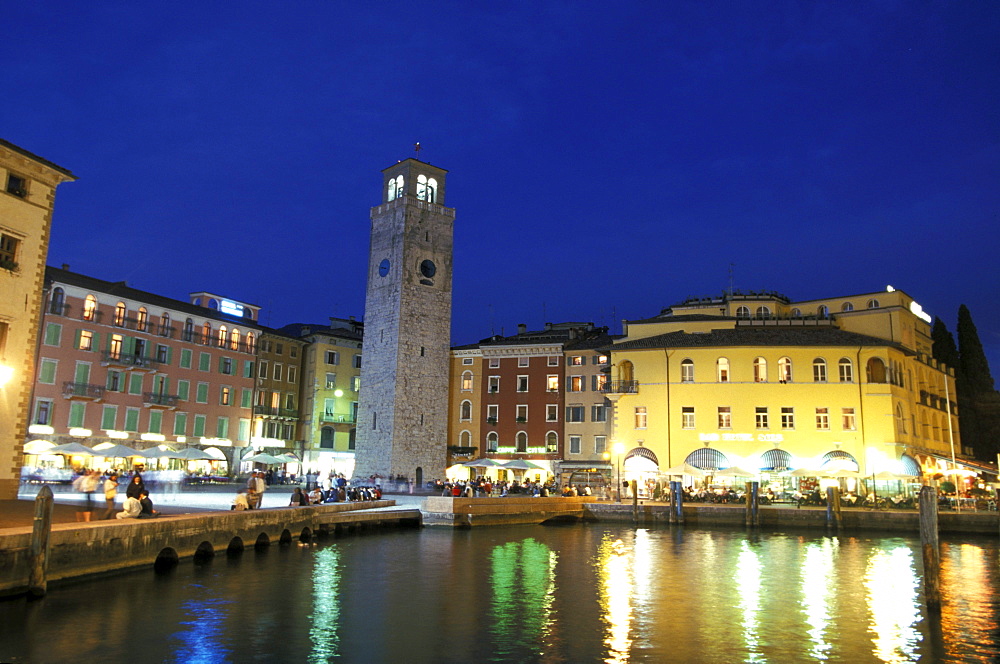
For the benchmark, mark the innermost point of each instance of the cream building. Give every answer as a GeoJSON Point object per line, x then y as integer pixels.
{"type": "Point", "coordinates": [27, 197]}
{"type": "Point", "coordinates": [757, 381]}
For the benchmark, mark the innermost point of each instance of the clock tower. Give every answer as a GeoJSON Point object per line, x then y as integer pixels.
{"type": "Point", "coordinates": [402, 425]}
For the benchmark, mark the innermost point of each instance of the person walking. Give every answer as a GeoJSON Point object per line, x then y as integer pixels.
{"type": "Point", "coordinates": [110, 493]}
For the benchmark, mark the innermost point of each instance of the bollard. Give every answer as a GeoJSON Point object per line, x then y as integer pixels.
{"type": "Point", "coordinates": [678, 503]}
{"type": "Point", "coordinates": [833, 516]}
{"type": "Point", "coordinates": [634, 489]}
{"type": "Point", "coordinates": [38, 556]}
{"type": "Point", "coordinates": [752, 496]}
{"type": "Point", "coordinates": [930, 548]}
{"type": "Point", "coordinates": [671, 498]}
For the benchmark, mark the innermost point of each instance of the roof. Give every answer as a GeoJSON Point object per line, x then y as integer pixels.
{"type": "Point", "coordinates": [757, 336]}
{"type": "Point", "coordinates": [299, 330]}
{"type": "Point", "coordinates": [666, 316]}
{"type": "Point", "coordinates": [35, 157]}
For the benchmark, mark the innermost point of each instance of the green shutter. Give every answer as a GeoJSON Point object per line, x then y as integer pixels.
{"type": "Point", "coordinates": [76, 338]}
{"type": "Point", "coordinates": [109, 418]}
{"type": "Point", "coordinates": [82, 375]}
{"type": "Point", "coordinates": [244, 432]}
{"type": "Point", "coordinates": [183, 390]}
{"type": "Point", "coordinates": [199, 425]}
{"type": "Point", "coordinates": [185, 358]}
{"type": "Point", "coordinates": [47, 372]}
{"type": "Point", "coordinates": [155, 421]}
{"type": "Point", "coordinates": [170, 355]}
{"type": "Point", "coordinates": [132, 419]}
{"type": "Point", "coordinates": [202, 393]}
{"type": "Point", "coordinates": [128, 345]}
{"type": "Point", "coordinates": [97, 342]}
{"type": "Point", "coordinates": [135, 383]}
{"type": "Point", "coordinates": [180, 424]}
{"type": "Point", "coordinates": [53, 334]}
{"type": "Point", "coordinates": [77, 412]}
{"type": "Point", "coordinates": [246, 400]}
{"type": "Point", "coordinates": [222, 427]}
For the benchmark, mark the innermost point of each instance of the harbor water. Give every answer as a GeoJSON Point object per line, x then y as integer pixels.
{"type": "Point", "coordinates": [571, 593]}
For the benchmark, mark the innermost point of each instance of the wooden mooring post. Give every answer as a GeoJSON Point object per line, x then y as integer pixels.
{"type": "Point", "coordinates": [834, 519]}
{"type": "Point", "coordinates": [677, 506]}
{"type": "Point", "coordinates": [930, 548]}
{"type": "Point", "coordinates": [752, 495]}
{"type": "Point", "coordinates": [634, 489]}
{"type": "Point", "coordinates": [38, 557]}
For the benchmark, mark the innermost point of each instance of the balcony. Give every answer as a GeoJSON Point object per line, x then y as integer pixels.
{"type": "Point", "coordinates": [269, 411]}
{"type": "Point", "coordinates": [113, 359]}
{"type": "Point", "coordinates": [620, 387]}
{"type": "Point", "coordinates": [337, 418]}
{"type": "Point", "coordinates": [73, 390]}
{"type": "Point", "coordinates": [156, 400]}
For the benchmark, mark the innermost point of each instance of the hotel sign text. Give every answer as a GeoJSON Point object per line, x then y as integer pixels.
{"type": "Point", "coordinates": [741, 437]}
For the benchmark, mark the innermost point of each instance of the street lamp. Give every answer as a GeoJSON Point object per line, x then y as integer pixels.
{"type": "Point", "coordinates": [618, 449]}
{"type": "Point", "coordinates": [6, 373]}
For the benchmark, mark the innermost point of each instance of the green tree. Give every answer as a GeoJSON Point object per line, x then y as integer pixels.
{"type": "Point", "coordinates": [943, 345]}
{"type": "Point", "coordinates": [975, 367]}
{"type": "Point", "coordinates": [978, 402]}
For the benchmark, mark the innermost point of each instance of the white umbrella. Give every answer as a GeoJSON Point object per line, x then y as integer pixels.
{"type": "Point", "coordinates": [482, 463]}
{"type": "Point", "coordinates": [521, 464]}
{"type": "Point", "coordinates": [116, 452]}
{"type": "Point", "coordinates": [805, 472]}
{"type": "Point", "coordinates": [265, 459]}
{"type": "Point", "coordinates": [685, 469]}
{"type": "Point", "coordinates": [70, 449]}
{"type": "Point", "coordinates": [888, 476]}
{"type": "Point", "coordinates": [736, 471]}
{"type": "Point", "coordinates": [840, 472]}
{"type": "Point", "coordinates": [192, 454]}
{"type": "Point", "coordinates": [157, 453]}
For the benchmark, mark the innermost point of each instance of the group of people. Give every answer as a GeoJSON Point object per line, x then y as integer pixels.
{"type": "Point", "coordinates": [137, 503]}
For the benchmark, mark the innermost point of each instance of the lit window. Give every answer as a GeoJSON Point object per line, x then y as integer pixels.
{"type": "Point", "coordinates": [576, 361]}
{"type": "Point", "coordinates": [165, 324]}
{"type": "Point", "coordinates": [120, 314]}
{"type": "Point", "coordinates": [395, 188]}
{"type": "Point", "coordinates": [819, 370]}
{"type": "Point", "coordinates": [86, 340]}
{"type": "Point", "coordinates": [687, 371]}
{"type": "Point", "coordinates": [576, 384]}
{"type": "Point", "coordinates": [226, 396]}
{"type": "Point", "coordinates": [251, 343]}
{"type": "Point", "coordinates": [687, 417]}
{"type": "Point", "coordinates": [787, 418]}
{"type": "Point", "coordinates": [467, 381]}
{"type": "Point", "coordinates": [640, 417]}
{"type": "Point", "coordinates": [206, 333]}
{"type": "Point", "coordinates": [221, 340]}
{"type": "Point", "coordinates": [761, 417]}
{"type": "Point", "coordinates": [759, 370]}
{"type": "Point", "coordinates": [141, 319]}
{"type": "Point", "coordinates": [115, 348]}
{"type": "Point", "coordinates": [552, 383]}
{"type": "Point", "coordinates": [823, 418]}
{"type": "Point", "coordinates": [846, 370]}
{"type": "Point", "coordinates": [234, 340]}
{"type": "Point", "coordinates": [551, 442]}
{"type": "Point", "coordinates": [722, 369]}
{"type": "Point", "coordinates": [785, 370]}
{"type": "Point", "coordinates": [725, 417]}
{"type": "Point", "coordinates": [426, 188]}
{"type": "Point", "coordinates": [847, 416]}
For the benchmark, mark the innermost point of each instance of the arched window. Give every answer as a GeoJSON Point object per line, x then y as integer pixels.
{"type": "Point", "coordinates": [875, 370]}
{"type": "Point", "coordinates": [141, 319]}
{"type": "Point", "coordinates": [206, 333]}
{"type": "Point", "coordinates": [251, 343]}
{"type": "Point", "coordinates": [846, 370]}
{"type": "Point", "coordinates": [743, 312]}
{"type": "Point", "coordinates": [785, 370]}
{"type": "Point", "coordinates": [687, 370]}
{"type": "Point", "coordinates": [395, 188]}
{"type": "Point", "coordinates": [234, 339]}
{"type": "Point", "coordinates": [819, 370]}
{"type": "Point", "coordinates": [775, 461]}
{"type": "Point", "coordinates": [58, 301]}
{"type": "Point", "coordinates": [847, 307]}
{"type": "Point", "coordinates": [492, 441]}
{"type": "Point", "coordinates": [221, 342]}
{"type": "Point", "coordinates": [708, 459]}
{"type": "Point", "coordinates": [466, 409]}
{"type": "Point", "coordinates": [188, 330]}
{"type": "Point", "coordinates": [759, 370]}
{"type": "Point", "coordinates": [551, 442]}
{"type": "Point", "coordinates": [521, 441]}
{"type": "Point", "coordinates": [823, 311]}
{"type": "Point", "coordinates": [722, 370]}
{"type": "Point", "coordinates": [467, 381]}
{"type": "Point", "coordinates": [326, 437]}
{"type": "Point", "coordinates": [465, 438]}
{"type": "Point", "coordinates": [625, 371]}
{"type": "Point", "coordinates": [120, 314]}
{"type": "Point", "coordinates": [839, 459]}
{"type": "Point", "coordinates": [873, 304]}
{"type": "Point", "coordinates": [426, 188]}
{"type": "Point", "coordinates": [900, 419]}
{"type": "Point", "coordinates": [763, 312]}
{"type": "Point", "coordinates": [164, 324]}
{"type": "Point", "coordinates": [796, 312]}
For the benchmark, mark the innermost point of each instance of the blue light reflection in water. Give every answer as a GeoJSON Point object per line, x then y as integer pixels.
{"type": "Point", "coordinates": [574, 594]}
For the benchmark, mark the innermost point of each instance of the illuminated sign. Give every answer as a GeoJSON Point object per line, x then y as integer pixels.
{"type": "Point", "coordinates": [77, 432]}
{"type": "Point", "coordinates": [741, 437]}
{"type": "Point", "coordinates": [919, 312]}
{"type": "Point", "coordinates": [42, 429]}
{"type": "Point", "coordinates": [231, 308]}
{"type": "Point", "coordinates": [154, 437]}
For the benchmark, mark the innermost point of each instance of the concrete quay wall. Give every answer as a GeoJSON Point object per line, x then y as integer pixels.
{"type": "Point", "coordinates": [506, 511]}
{"type": "Point", "coordinates": [84, 549]}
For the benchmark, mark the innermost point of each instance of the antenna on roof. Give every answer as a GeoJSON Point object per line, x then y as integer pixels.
{"type": "Point", "coordinates": [417, 148]}
{"type": "Point", "coordinates": [731, 266]}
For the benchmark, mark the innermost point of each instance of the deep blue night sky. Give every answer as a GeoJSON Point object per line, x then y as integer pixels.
{"type": "Point", "coordinates": [606, 159]}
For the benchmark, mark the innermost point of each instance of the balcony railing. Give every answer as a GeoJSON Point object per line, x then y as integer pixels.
{"type": "Point", "coordinates": [128, 360]}
{"type": "Point", "coordinates": [82, 390]}
{"type": "Point", "coordinates": [164, 400]}
{"type": "Point", "coordinates": [621, 387]}
{"type": "Point", "coordinates": [337, 418]}
{"type": "Point", "coordinates": [275, 412]}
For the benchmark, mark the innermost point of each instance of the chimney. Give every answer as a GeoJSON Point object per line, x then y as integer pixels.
{"type": "Point", "coordinates": [522, 328]}
{"type": "Point", "coordinates": [65, 266]}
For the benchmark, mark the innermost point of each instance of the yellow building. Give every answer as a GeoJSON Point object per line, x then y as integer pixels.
{"type": "Point", "coordinates": [757, 381]}
{"type": "Point", "coordinates": [27, 196]}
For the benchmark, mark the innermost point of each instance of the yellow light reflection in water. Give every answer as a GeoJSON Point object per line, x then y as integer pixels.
{"type": "Point", "coordinates": [817, 585]}
{"type": "Point", "coordinates": [325, 616]}
{"type": "Point", "coordinates": [523, 580]}
{"type": "Point", "coordinates": [616, 579]}
{"type": "Point", "coordinates": [748, 585]}
{"type": "Point", "coordinates": [891, 582]}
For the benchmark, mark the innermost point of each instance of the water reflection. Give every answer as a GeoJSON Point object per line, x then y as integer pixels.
{"type": "Point", "coordinates": [748, 588]}
{"type": "Point", "coordinates": [614, 569]}
{"type": "Point", "coordinates": [522, 575]}
{"type": "Point", "coordinates": [969, 612]}
{"type": "Point", "coordinates": [816, 588]}
{"type": "Point", "coordinates": [325, 616]}
{"type": "Point", "coordinates": [201, 640]}
{"type": "Point", "coordinates": [894, 611]}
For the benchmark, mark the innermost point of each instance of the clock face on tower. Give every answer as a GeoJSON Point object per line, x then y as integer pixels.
{"type": "Point", "coordinates": [383, 267]}
{"type": "Point", "coordinates": [428, 268]}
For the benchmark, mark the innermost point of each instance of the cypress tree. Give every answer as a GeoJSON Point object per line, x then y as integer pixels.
{"type": "Point", "coordinates": [979, 403]}
{"type": "Point", "coordinates": [943, 344]}
{"type": "Point", "coordinates": [975, 367]}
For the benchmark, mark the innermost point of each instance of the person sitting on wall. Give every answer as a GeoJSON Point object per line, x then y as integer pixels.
{"type": "Point", "coordinates": [130, 509]}
{"type": "Point", "coordinates": [299, 498]}
{"type": "Point", "coordinates": [240, 502]}
{"type": "Point", "coordinates": [147, 506]}
{"type": "Point", "coordinates": [316, 495]}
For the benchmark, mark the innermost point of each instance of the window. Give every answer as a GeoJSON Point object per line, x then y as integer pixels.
{"type": "Point", "coordinates": [201, 393]}
{"type": "Point", "coordinates": [162, 354]}
{"type": "Point", "coordinates": [552, 412]}
{"type": "Point", "coordinates": [522, 383]}
{"type": "Point", "coordinates": [199, 425]}
{"type": "Point", "coordinates": [291, 374]}
{"type": "Point", "coordinates": [279, 348]}
{"type": "Point", "coordinates": [575, 444]}
{"type": "Point", "coordinates": [332, 357]}
{"type": "Point", "coordinates": [760, 417]}
{"type": "Point", "coordinates": [819, 370]}
{"type": "Point", "coordinates": [796, 312]}
{"type": "Point", "coordinates": [141, 319]}
{"type": "Point", "coordinates": [823, 311]}
{"type": "Point", "coordinates": [763, 312]}
{"type": "Point", "coordinates": [53, 334]}
{"type": "Point", "coordinates": [576, 384]}
{"type": "Point", "coordinates": [47, 371]}
{"type": "Point", "coordinates": [873, 304]}
{"type": "Point", "coordinates": [119, 314]}
{"type": "Point", "coordinates": [553, 361]}
{"type": "Point", "coordinates": [77, 414]}
{"type": "Point", "coordinates": [426, 189]}
{"type": "Point", "coordinates": [575, 361]}
{"type": "Point", "coordinates": [262, 369]}
{"type": "Point", "coordinates": [225, 396]}
{"type": "Point", "coordinates": [206, 333]}
{"type": "Point", "coordinates": [109, 418]}
{"type": "Point", "coordinates": [598, 413]}
{"type": "Point", "coordinates": [276, 375]}
{"type": "Point", "coordinates": [331, 380]}
{"type": "Point", "coordinates": [521, 413]}
{"type": "Point", "coordinates": [8, 251]}
{"type": "Point", "coordinates": [251, 343]}
{"type": "Point", "coordinates": [114, 381]}
{"type": "Point", "coordinates": [246, 398]}
{"type": "Point", "coordinates": [600, 444]}
{"type": "Point", "coordinates": [58, 301]}
{"type": "Point", "coordinates": [687, 417]}
{"type": "Point", "coordinates": [185, 358]}
{"type": "Point", "coordinates": [521, 441]}
{"type": "Point", "coordinates": [687, 371]}
{"type": "Point", "coordinates": [823, 418]}
{"type": "Point", "coordinates": [522, 361]}
{"type": "Point", "coordinates": [743, 312]}
{"type": "Point", "coordinates": [466, 360]}
{"type": "Point", "coordinates": [494, 363]}
{"type": "Point", "coordinates": [204, 362]}
{"type": "Point", "coordinates": [787, 418]}
{"type": "Point", "coordinates": [551, 383]}
{"type": "Point", "coordinates": [467, 381]}
{"type": "Point", "coordinates": [725, 417]}
{"type": "Point", "coordinates": [86, 340]}
{"type": "Point", "coordinates": [640, 417]}
{"type": "Point", "coordinates": [492, 441]}
{"type": "Point", "coordinates": [43, 412]}
{"type": "Point", "coordinates": [17, 185]}
{"type": "Point", "coordinates": [234, 340]}
{"type": "Point", "coordinates": [494, 384]}
{"type": "Point", "coordinates": [183, 389]}
{"type": "Point", "coordinates": [293, 351]}
{"type": "Point", "coordinates": [466, 411]}
{"type": "Point", "coordinates": [492, 413]}
{"type": "Point", "coordinates": [722, 369]}
{"type": "Point", "coordinates": [875, 370]}
{"type": "Point", "coordinates": [115, 347]}
{"type": "Point", "coordinates": [759, 370]}
{"type": "Point", "coordinates": [551, 442]}
{"type": "Point", "coordinates": [785, 370]}
{"type": "Point", "coordinates": [847, 419]}
{"type": "Point", "coordinates": [165, 324]}
{"type": "Point", "coordinates": [600, 382]}
{"type": "Point", "coordinates": [155, 421]}
{"type": "Point", "coordinates": [846, 370]}
{"type": "Point", "coordinates": [575, 413]}
{"type": "Point", "coordinates": [90, 308]}
{"type": "Point", "coordinates": [188, 333]}
{"type": "Point", "coordinates": [847, 307]}
{"type": "Point", "coordinates": [180, 424]}
{"type": "Point", "coordinates": [357, 361]}
{"type": "Point", "coordinates": [222, 427]}
{"type": "Point", "coordinates": [221, 339]}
